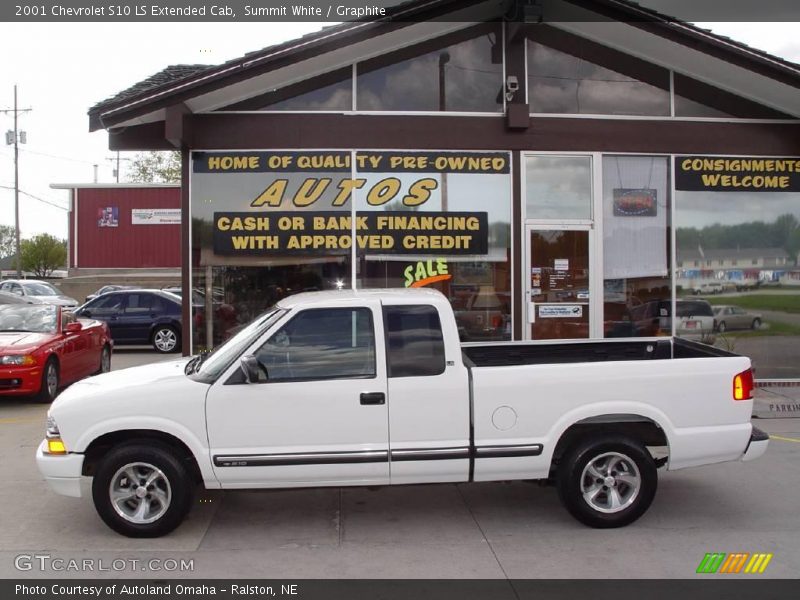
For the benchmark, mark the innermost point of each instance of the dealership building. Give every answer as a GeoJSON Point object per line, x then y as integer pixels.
{"type": "Point", "coordinates": [544, 169]}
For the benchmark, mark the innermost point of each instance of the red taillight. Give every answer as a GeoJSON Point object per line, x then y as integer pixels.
{"type": "Point", "coordinates": [743, 385]}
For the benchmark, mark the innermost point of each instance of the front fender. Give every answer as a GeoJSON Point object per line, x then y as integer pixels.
{"type": "Point", "coordinates": [152, 423]}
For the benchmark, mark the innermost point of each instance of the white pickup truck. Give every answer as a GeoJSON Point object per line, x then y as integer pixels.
{"type": "Point", "coordinates": [366, 388]}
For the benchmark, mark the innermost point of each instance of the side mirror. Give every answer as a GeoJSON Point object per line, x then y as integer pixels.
{"type": "Point", "coordinates": [74, 327]}
{"type": "Point", "coordinates": [250, 368]}
{"type": "Point", "coordinates": [84, 313]}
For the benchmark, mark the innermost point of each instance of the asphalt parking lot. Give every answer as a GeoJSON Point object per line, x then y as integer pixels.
{"type": "Point", "coordinates": [485, 530]}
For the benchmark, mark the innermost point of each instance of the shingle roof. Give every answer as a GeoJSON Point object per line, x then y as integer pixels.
{"type": "Point", "coordinates": [167, 76]}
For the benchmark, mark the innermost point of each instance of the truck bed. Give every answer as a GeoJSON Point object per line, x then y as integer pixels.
{"type": "Point", "coordinates": [535, 353]}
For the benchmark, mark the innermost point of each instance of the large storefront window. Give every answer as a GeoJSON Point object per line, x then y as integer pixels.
{"type": "Point", "coordinates": [268, 224]}
{"type": "Point", "coordinates": [245, 207]}
{"type": "Point", "coordinates": [460, 205]}
{"type": "Point", "coordinates": [636, 217]}
{"type": "Point", "coordinates": [738, 239]}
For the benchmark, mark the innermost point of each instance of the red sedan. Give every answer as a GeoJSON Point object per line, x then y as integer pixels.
{"type": "Point", "coordinates": [43, 349]}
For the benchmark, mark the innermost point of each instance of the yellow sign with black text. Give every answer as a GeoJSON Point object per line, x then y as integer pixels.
{"type": "Point", "coordinates": [331, 232]}
{"type": "Point", "coordinates": [737, 174]}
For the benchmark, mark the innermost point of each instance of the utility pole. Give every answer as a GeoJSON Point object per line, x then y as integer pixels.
{"type": "Point", "coordinates": [18, 136]}
{"type": "Point", "coordinates": [117, 159]}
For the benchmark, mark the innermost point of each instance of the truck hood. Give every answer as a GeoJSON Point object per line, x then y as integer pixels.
{"type": "Point", "coordinates": [124, 384]}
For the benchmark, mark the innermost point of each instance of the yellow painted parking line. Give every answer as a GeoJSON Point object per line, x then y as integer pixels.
{"type": "Point", "coordinates": [11, 421]}
{"type": "Point", "coordinates": [784, 439]}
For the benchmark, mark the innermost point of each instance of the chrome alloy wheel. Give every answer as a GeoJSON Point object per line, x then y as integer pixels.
{"type": "Point", "coordinates": [140, 493]}
{"type": "Point", "coordinates": [51, 379]}
{"type": "Point", "coordinates": [165, 340]}
{"type": "Point", "coordinates": [610, 482]}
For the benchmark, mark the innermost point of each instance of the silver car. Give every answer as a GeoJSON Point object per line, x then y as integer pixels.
{"type": "Point", "coordinates": [735, 317]}
{"type": "Point", "coordinates": [37, 292]}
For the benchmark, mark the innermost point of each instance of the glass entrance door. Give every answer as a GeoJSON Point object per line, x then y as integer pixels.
{"type": "Point", "coordinates": [558, 283]}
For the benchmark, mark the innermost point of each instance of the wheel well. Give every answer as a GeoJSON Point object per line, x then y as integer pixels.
{"type": "Point", "coordinates": [637, 427]}
{"type": "Point", "coordinates": [102, 445]}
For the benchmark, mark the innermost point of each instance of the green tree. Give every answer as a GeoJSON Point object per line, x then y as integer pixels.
{"type": "Point", "coordinates": [156, 167]}
{"type": "Point", "coordinates": [43, 254]}
{"type": "Point", "coordinates": [8, 237]}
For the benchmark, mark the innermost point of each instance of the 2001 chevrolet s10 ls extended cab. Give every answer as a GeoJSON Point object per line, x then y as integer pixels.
{"type": "Point", "coordinates": [372, 388]}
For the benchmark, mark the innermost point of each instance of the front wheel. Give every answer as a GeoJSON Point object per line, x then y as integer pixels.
{"type": "Point", "coordinates": [756, 323]}
{"type": "Point", "coordinates": [722, 327]}
{"type": "Point", "coordinates": [166, 339]}
{"type": "Point", "coordinates": [48, 388]}
{"type": "Point", "coordinates": [142, 490]}
{"type": "Point", "coordinates": [607, 481]}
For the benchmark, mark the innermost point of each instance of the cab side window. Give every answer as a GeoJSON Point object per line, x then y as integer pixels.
{"type": "Point", "coordinates": [328, 343]}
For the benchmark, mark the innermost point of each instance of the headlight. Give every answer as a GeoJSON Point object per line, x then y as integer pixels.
{"type": "Point", "coordinates": [55, 445]}
{"type": "Point", "coordinates": [52, 428]}
{"type": "Point", "coordinates": [20, 360]}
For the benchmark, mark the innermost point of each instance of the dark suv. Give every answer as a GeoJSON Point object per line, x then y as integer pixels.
{"type": "Point", "coordinates": [139, 317]}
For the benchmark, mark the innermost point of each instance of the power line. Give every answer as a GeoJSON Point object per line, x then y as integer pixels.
{"type": "Point", "coordinates": [87, 162]}
{"type": "Point", "coordinates": [77, 160]}
{"type": "Point", "coordinates": [36, 197]}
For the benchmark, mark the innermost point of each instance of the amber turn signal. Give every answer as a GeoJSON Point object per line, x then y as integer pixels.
{"type": "Point", "coordinates": [56, 446]}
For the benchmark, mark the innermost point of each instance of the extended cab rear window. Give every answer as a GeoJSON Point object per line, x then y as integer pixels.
{"type": "Point", "coordinates": [414, 344]}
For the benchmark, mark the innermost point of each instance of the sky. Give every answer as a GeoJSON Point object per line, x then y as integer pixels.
{"type": "Point", "coordinates": [63, 69]}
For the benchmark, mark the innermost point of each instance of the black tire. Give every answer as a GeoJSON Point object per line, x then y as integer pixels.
{"type": "Point", "coordinates": [156, 458]}
{"type": "Point", "coordinates": [721, 327]}
{"type": "Point", "coordinates": [105, 365]}
{"type": "Point", "coordinates": [574, 478]}
{"type": "Point", "coordinates": [47, 390]}
{"type": "Point", "coordinates": [166, 332]}
{"type": "Point", "coordinates": [756, 324]}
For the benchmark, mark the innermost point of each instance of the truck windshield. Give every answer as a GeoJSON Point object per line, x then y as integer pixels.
{"type": "Point", "coordinates": [211, 366]}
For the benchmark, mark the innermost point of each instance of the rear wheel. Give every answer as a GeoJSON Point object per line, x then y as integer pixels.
{"type": "Point", "coordinates": [142, 490]}
{"type": "Point", "coordinates": [166, 339]}
{"type": "Point", "coordinates": [756, 323]}
{"type": "Point", "coordinates": [721, 327]}
{"type": "Point", "coordinates": [48, 390]}
{"type": "Point", "coordinates": [607, 481]}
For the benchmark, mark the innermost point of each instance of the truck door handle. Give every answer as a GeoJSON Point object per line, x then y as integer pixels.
{"type": "Point", "coordinates": [373, 398]}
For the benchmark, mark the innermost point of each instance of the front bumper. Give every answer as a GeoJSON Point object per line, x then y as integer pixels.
{"type": "Point", "coordinates": [61, 471]}
{"type": "Point", "coordinates": [18, 381]}
{"type": "Point", "coordinates": [757, 445]}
